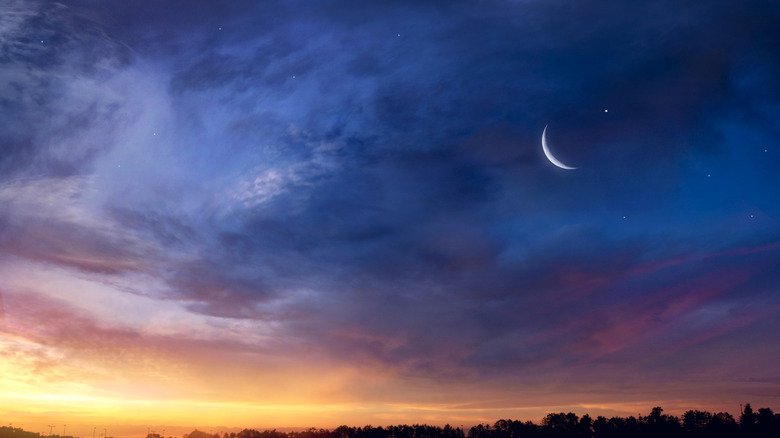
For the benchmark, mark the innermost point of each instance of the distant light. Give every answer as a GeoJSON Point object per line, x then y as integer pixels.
{"type": "Point", "coordinates": [399, 34]}
{"type": "Point", "coordinates": [606, 110]}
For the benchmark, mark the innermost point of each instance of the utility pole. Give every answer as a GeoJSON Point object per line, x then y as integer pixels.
{"type": "Point", "coordinates": [50, 428]}
{"type": "Point", "coordinates": [63, 429]}
{"type": "Point", "coordinates": [93, 431]}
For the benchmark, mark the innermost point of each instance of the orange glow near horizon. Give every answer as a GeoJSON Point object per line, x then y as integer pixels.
{"type": "Point", "coordinates": [80, 370]}
{"type": "Point", "coordinates": [302, 398]}
{"type": "Point", "coordinates": [129, 418]}
{"type": "Point", "coordinates": [34, 408]}
{"type": "Point", "coordinates": [87, 374]}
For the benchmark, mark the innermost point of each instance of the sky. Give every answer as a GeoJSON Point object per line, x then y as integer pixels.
{"type": "Point", "coordinates": [314, 213]}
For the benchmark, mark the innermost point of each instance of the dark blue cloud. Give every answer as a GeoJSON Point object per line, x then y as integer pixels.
{"type": "Point", "coordinates": [46, 51]}
{"type": "Point", "coordinates": [370, 177]}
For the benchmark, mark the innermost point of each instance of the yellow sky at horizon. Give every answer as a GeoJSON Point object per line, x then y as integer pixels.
{"type": "Point", "coordinates": [44, 388]}
{"type": "Point", "coordinates": [87, 368]}
{"type": "Point", "coordinates": [133, 418]}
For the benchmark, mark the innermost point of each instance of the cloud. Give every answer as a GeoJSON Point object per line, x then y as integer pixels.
{"type": "Point", "coordinates": [46, 220]}
{"type": "Point", "coordinates": [54, 69]}
{"type": "Point", "coordinates": [363, 186]}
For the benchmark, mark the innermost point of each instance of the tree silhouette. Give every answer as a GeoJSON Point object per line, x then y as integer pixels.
{"type": "Point", "coordinates": [697, 423]}
{"type": "Point", "coordinates": [200, 434]}
{"type": "Point", "coordinates": [747, 421]}
{"type": "Point", "coordinates": [585, 429]}
{"type": "Point", "coordinates": [722, 425]}
{"type": "Point", "coordinates": [561, 425]}
{"type": "Point", "coordinates": [767, 423]}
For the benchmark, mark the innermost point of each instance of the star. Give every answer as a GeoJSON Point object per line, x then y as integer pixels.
{"type": "Point", "coordinates": [606, 110]}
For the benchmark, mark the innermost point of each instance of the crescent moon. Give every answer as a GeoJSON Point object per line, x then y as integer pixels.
{"type": "Point", "coordinates": [549, 154]}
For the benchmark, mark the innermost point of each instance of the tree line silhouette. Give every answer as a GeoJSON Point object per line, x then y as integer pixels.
{"type": "Point", "coordinates": [692, 424]}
